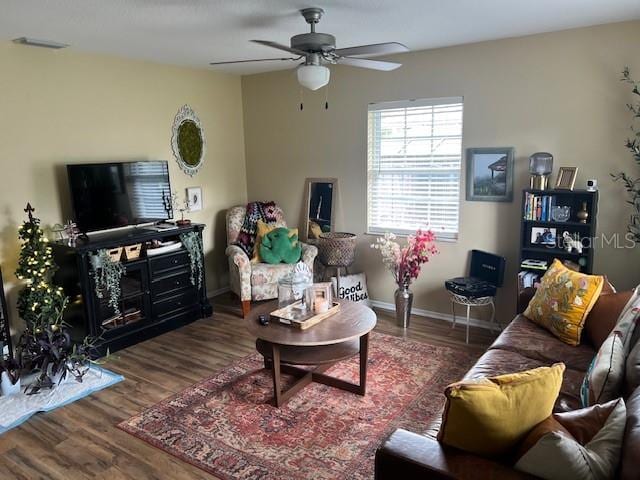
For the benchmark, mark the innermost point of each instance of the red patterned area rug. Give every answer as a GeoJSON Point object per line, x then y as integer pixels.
{"type": "Point", "coordinates": [226, 425]}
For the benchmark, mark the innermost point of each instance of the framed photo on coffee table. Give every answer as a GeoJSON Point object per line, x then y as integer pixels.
{"type": "Point", "coordinates": [319, 291]}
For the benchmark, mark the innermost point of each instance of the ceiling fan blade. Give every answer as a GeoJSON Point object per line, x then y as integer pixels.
{"type": "Point", "coordinates": [375, 49]}
{"type": "Point", "coordinates": [366, 63]}
{"type": "Point", "coordinates": [279, 46]}
{"type": "Point", "coordinates": [256, 60]}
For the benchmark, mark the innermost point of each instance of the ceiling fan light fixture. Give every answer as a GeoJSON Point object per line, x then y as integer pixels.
{"type": "Point", "coordinates": [313, 77]}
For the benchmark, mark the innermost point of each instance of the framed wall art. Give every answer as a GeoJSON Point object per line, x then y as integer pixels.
{"type": "Point", "coordinates": [194, 198]}
{"type": "Point", "coordinates": [187, 141]}
{"type": "Point", "coordinates": [490, 174]}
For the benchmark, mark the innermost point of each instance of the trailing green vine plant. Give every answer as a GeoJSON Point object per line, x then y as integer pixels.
{"type": "Point", "coordinates": [193, 243]}
{"type": "Point", "coordinates": [107, 274]}
{"type": "Point", "coordinates": [632, 185]}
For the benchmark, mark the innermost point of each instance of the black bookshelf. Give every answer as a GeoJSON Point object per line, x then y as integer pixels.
{"type": "Point", "coordinates": [585, 231]}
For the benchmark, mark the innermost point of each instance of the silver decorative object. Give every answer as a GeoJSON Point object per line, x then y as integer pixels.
{"type": "Point", "coordinates": [560, 213]}
{"type": "Point", "coordinates": [292, 287]}
{"type": "Point", "coordinates": [184, 117]}
{"type": "Point", "coordinates": [404, 300]}
{"type": "Point", "coordinates": [540, 167]}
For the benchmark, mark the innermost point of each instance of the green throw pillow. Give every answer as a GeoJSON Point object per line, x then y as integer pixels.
{"type": "Point", "coordinates": [280, 245]}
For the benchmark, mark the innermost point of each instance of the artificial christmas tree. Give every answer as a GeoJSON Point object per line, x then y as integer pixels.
{"type": "Point", "coordinates": [46, 344]}
{"type": "Point", "coordinates": [40, 302]}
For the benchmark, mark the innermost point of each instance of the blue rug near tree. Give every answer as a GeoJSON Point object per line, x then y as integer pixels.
{"type": "Point", "coordinates": [16, 409]}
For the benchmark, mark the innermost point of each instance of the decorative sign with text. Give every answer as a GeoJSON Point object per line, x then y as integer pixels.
{"type": "Point", "coordinates": [352, 287]}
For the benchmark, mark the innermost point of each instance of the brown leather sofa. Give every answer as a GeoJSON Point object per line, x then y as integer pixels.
{"type": "Point", "coordinates": [521, 346]}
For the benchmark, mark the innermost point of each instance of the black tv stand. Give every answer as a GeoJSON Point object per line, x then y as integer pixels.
{"type": "Point", "coordinates": [157, 293]}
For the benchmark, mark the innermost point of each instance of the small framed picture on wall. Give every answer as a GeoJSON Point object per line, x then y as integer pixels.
{"type": "Point", "coordinates": [490, 174]}
{"type": "Point", "coordinates": [194, 195]}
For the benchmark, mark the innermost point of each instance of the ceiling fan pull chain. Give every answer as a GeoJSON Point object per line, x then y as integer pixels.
{"type": "Point", "coordinates": [326, 98]}
{"type": "Point", "coordinates": [301, 99]}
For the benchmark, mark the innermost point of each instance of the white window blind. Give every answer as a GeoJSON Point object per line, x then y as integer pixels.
{"type": "Point", "coordinates": [414, 161]}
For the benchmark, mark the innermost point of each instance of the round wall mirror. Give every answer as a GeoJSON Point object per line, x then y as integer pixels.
{"type": "Point", "coordinates": [187, 141]}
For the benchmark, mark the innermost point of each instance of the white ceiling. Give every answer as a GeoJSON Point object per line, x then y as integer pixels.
{"type": "Point", "coordinates": [196, 32]}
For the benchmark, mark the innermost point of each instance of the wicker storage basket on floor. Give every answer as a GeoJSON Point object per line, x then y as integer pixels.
{"type": "Point", "coordinates": [336, 249]}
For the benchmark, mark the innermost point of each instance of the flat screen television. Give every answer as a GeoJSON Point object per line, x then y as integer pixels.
{"type": "Point", "coordinates": [111, 195]}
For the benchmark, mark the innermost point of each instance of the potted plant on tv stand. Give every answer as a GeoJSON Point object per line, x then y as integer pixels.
{"type": "Point", "coordinates": [182, 206]}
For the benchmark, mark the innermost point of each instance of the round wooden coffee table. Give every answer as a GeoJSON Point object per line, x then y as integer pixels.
{"type": "Point", "coordinates": [338, 337]}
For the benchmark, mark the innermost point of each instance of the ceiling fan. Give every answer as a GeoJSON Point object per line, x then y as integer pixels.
{"type": "Point", "coordinates": [318, 49]}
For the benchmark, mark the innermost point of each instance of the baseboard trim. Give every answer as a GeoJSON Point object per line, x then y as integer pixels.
{"type": "Point", "coordinates": [219, 291]}
{"type": "Point", "coordinates": [420, 312]}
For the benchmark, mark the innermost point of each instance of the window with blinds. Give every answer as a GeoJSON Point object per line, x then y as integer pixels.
{"type": "Point", "coordinates": [414, 162]}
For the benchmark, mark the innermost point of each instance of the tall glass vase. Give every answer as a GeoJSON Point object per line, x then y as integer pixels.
{"type": "Point", "coordinates": [404, 299]}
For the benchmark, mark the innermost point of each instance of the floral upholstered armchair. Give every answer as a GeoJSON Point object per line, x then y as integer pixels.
{"type": "Point", "coordinates": [257, 281]}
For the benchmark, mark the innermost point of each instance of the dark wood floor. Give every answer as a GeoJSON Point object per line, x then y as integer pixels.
{"type": "Point", "coordinates": [81, 441]}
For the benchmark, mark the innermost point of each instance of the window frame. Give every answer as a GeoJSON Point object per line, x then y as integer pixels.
{"type": "Point", "coordinates": [415, 103]}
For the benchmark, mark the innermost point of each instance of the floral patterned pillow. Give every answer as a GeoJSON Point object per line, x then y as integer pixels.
{"type": "Point", "coordinates": [563, 300]}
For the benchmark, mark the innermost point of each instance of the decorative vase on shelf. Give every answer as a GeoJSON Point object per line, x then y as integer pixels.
{"type": "Point", "coordinates": [404, 299]}
{"type": "Point", "coordinates": [583, 214]}
{"type": "Point", "coordinates": [7, 387]}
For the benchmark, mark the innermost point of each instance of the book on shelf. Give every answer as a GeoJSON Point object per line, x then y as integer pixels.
{"type": "Point", "coordinates": [538, 207]}
{"type": "Point", "coordinates": [534, 264]}
{"type": "Point", "coordinates": [528, 279]}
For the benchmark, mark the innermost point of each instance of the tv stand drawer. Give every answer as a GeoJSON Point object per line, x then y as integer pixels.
{"type": "Point", "coordinates": [186, 299]}
{"type": "Point", "coordinates": [170, 285]}
{"type": "Point", "coordinates": [170, 261]}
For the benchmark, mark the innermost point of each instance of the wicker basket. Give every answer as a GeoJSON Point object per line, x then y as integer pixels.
{"type": "Point", "coordinates": [132, 252]}
{"type": "Point", "coordinates": [337, 249]}
{"type": "Point", "coordinates": [115, 253]}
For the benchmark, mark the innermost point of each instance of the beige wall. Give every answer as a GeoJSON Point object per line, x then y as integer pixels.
{"type": "Point", "coordinates": [557, 92]}
{"type": "Point", "coordinates": [63, 107]}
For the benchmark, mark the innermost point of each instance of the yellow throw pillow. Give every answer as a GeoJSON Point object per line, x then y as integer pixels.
{"type": "Point", "coordinates": [261, 230]}
{"type": "Point", "coordinates": [563, 301]}
{"type": "Point", "coordinates": [490, 416]}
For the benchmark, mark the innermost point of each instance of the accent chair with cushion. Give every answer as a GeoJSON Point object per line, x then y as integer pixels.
{"type": "Point", "coordinates": [257, 281]}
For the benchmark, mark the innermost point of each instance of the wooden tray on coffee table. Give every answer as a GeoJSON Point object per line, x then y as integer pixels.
{"type": "Point", "coordinates": [287, 315]}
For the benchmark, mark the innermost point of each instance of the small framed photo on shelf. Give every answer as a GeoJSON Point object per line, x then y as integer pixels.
{"type": "Point", "coordinates": [543, 236]}
{"type": "Point", "coordinates": [490, 174]}
{"type": "Point", "coordinates": [319, 297]}
{"type": "Point", "coordinates": [566, 178]}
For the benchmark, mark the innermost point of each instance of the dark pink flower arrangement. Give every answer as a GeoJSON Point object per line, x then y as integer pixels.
{"type": "Point", "coordinates": [405, 263]}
